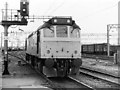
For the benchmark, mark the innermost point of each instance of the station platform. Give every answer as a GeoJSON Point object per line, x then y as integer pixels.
{"type": "Point", "coordinates": [21, 77]}
{"type": "Point", "coordinates": [104, 66]}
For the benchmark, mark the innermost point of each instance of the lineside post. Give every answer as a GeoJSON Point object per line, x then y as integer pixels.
{"type": "Point", "coordinates": [6, 72]}
{"type": "Point", "coordinates": [108, 41]}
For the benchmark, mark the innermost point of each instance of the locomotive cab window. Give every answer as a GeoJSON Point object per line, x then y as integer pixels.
{"type": "Point", "coordinates": [61, 31]}
{"type": "Point", "coordinates": [74, 33]}
{"type": "Point", "coordinates": [48, 32]}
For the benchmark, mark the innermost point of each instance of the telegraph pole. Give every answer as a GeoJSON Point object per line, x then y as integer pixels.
{"type": "Point", "coordinates": [6, 72]}
{"type": "Point", "coordinates": [108, 41]}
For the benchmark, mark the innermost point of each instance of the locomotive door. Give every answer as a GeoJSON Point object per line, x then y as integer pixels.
{"type": "Point", "coordinates": [38, 40]}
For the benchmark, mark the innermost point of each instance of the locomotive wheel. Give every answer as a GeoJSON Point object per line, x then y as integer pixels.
{"type": "Point", "coordinates": [40, 66]}
{"type": "Point", "coordinates": [66, 69]}
{"type": "Point", "coordinates": [27, 57]}
{"type": "Point", "coordinates": [32, 61]}
{"type": "Point", "coordinates": [36, 62]}
{"type": "Point", "coordinates": [66, 73]}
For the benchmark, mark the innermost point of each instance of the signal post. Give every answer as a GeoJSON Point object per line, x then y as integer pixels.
{"type": "Point", "coordinates": [6, 22]}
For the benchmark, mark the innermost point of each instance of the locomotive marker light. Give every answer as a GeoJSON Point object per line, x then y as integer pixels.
{"type": "Point", "coordinates": [55, 21]}
{"type": "Point", "coordinates": [68, 21]}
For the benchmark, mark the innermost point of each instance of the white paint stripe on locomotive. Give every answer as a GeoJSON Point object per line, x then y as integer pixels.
{"type": "Point", "coordinates": [61, 39]}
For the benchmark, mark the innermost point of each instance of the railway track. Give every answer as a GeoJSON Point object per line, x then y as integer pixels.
{"type": "Point", "coordinates": [82, 83]}
{"type": "Point", "coordinates": [100, 75]}
{"type": "Point", "coordinates": [57, 83]}
{"type": "Point", "coordinates": [67, 83]}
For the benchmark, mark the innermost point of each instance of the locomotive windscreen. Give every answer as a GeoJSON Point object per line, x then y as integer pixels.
{"type": "Point", "coordinates": [61, 31]}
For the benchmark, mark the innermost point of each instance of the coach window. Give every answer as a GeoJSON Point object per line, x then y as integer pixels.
{"type": "Point", "coordinates": [74, 33]}
{"type": "Point", "coordinates": [48, 32]}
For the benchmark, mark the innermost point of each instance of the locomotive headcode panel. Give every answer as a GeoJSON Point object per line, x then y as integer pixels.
{"type": "Point", "coordinates": [61, 31]}
{"type": "Point", "coordinates": [59, 47]}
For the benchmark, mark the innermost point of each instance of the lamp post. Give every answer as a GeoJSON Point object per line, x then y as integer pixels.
{"type": "Point", "coordinates": [6, 72]}
{"type": "Point", "coordinates": [108, 42]}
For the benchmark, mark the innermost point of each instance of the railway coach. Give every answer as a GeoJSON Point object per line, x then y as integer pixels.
{"type": "Point", "coordinates": [55, 47]}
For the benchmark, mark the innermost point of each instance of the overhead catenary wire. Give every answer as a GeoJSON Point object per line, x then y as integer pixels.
{"type": "Point", "coordinates": [56, 8]}
{"type": "Point", "coordinates": [100, 11]}
{"type": "Point", "coordinates": [59, 6]}
{"type": "Point", "coordinates": [50, 7]}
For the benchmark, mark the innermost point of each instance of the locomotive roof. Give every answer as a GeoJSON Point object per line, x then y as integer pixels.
{"type": "Point", "coordinates": [60, 21]}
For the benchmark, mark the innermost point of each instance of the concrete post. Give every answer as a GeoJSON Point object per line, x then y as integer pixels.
{"type": "Point", "coordinates": [108, 41]}
{"type": "Point", "coordinates": [6, 72]}
{"type": "Point", "coordinates": [115, 58]}
{"type": "Point", "coordinates": [118, 55]}
{"type": "Point", "coordinates": [119, 22]}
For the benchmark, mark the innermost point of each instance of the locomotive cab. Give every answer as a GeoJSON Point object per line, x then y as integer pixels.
{"type": "Point", "coordinates": [61, 45]}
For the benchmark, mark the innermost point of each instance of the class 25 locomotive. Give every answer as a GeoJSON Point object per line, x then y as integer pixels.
{"type": "Point", "coordinates": [59, 45]}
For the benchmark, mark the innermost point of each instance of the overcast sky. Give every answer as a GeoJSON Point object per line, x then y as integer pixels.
{"type": "Point", "coordinates": [91, 15]}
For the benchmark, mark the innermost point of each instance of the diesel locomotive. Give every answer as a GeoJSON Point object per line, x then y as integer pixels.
{"type": "Point", "coordinates": [55, 47]}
